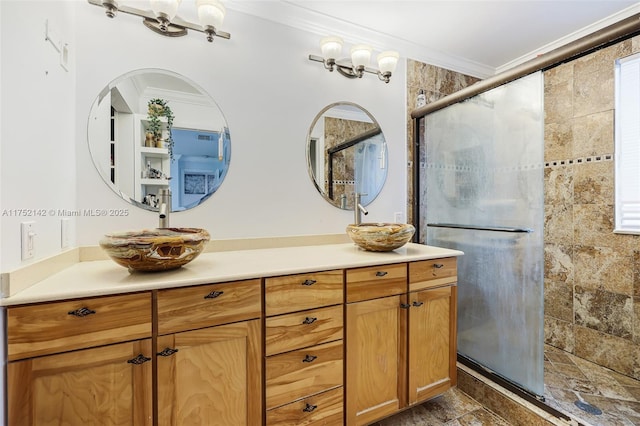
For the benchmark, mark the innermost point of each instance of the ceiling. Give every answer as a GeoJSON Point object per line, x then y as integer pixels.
{"type": "Point", "coordinates": [477, 37]}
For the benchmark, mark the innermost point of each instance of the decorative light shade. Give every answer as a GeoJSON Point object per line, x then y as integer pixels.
{"type": "Point", "coordinates": [387, 61]}
{"type": "Point", "coordinates": [210, 13]}
{"type": "Point", "coordinates": [165, 8]}
{"type": "Point", "coordinates": [360, 55]}
{"type": "Point", "coordinates": [331, 47]}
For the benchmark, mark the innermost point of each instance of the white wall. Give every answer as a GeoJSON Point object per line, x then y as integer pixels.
{"type": "Point", "coordinates": [261, 79]}
{"type": "Point", "coordinates": [37, 131]}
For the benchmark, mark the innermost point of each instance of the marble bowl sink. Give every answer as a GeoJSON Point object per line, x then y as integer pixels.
{"type": "Point", "coordinates": [159, 249]}
{"type": "Point", "coordinates": [380, 236]}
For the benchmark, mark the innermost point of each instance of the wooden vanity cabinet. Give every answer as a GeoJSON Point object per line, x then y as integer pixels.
{"type": "Point", "coordinates": [84, 361]}
{"type": "Point", "coordinates": [376, 342]}
{"type": "Point", "coordinates": [208, 350]}
{"type": "Point", "coordinates": [304, 349]}
{"type": "Point", "coordinates": [432, 328]}
{"type": "Point", "coordinates": [400, 334]}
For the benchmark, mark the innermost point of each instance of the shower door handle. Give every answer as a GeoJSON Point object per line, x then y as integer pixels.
{"type": "Point", "coordinates": [481, 227]}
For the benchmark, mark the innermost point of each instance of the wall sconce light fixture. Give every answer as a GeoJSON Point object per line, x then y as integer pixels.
{"type": "Point", "coordinates": [163, 20]}
{"type": "Point", "coordinates": [331, 48]}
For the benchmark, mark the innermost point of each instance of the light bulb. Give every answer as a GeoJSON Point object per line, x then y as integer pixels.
{"type": "Point", "coordinates": [331, 47]}
{"type": "Point", "coordinates": [387, 61]}
{"type": "Point", "coordinates": [210, 13]}
{"type": "Point", "coordinates": [166, 9]}
{"type": "Point", "coordinates": [360, 55]}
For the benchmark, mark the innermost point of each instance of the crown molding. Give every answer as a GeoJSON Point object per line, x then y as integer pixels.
{"type": "Point", "coordinates": [301, 18]}
{"type": "Point", "coordinates": [589, 29]}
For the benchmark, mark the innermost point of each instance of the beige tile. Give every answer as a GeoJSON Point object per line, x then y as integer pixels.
{"type": "Point", "coordinates": [558, 264]}
{"type": "Point", "coordinates": [593, 225]}
{"type": "Point", "coordinates": [558, 297]}
{"type": "Point", "coordinates": [558, 140]}
{"type": "Point", "coordinates": [558, 185]}
{"type": "Point", "coordinates": [479, 417]}
{"type": "Point", "coordinates": [560, 74]}
{"type": "Point", "coordinates": [636, 320]}
{"type": "Point", "coordinates": [606, 350]}
{"type": "Point", "coordinates": [593, 134]}
{"type": "Point", "coordinates": [559, 333]}
{"type": "Point", "coordinates": [593, 183]}
{"type": "Point", "coordinates": [592, 92]}
{"type": "Point", "coordinates": [558, 224]}
{"type": "Point", "coordinates": [636, 273]}
{"type": "Point", "coordinates": [609, 313]}
{"type": "Point", "coordinates": [603, 268]}
{"type": "Point", "coordinates": [558, 103]}
{"type": "Point", "coordinates": [602, 61]}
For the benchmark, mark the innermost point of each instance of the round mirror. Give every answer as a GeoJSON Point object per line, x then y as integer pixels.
{"type": "Point", "coordinates": [346, 153]}
{"type": "Point", "coordinates": [153, 129]}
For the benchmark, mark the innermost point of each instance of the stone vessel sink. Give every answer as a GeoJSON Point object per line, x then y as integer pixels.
{"type": "Point", "coordinates": [380, 236]}
{"type": "Point", "coordinates": [159, 249]}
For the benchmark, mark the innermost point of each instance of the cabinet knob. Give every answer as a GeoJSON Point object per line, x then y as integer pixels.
{"type": "Point", "coordinates": [309, 358]}
{"type": "Point", "coordinates": [309, 282]}
{"type": "Point", "coordinates": [381, 273]}
{"type": "Point", "coordinates": [405, 305]}
{"type": "Point", "coordinates": [309, 320]}
{"type": "Point", "coordinates": [417, 303]}
{"type": "Point", "coordinates": [214, 294]}
{"type": "Point", "coordinates": [82, 312]}
{"type": "Point", "coordinates": [438, 265]}
{"type": "Point", "coordinates": [167, 352]}
{"type": "Point", "coordinates": [309, 408]}
{"type": "Point", "coordinates": [140, 359]}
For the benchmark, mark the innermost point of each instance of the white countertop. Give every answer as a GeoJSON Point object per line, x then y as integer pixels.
{"type": "Point", "coordinates": [104, 277]}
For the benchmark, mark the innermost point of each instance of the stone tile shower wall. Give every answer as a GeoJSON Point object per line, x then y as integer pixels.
{"type": "Point", "coordinates": [592, 276]}
{"type": "Point", "coordinates": [436, 83]}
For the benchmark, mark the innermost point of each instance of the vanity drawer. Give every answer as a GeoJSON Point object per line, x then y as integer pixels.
{"type": "Point", "coordinates": [432, 273]}
{"type": "Point", "coordinates": [303, 291]}
{"type": "Point", "coordinates": [190, 308]}
{"type": "Point", "coordinates": [54, 327]}
{"type": "Point", "coordinates": [299, 374]}
{"type": "Point", "coordinates": [375, 282]}
{"type": "Point", "coordinates": [301, 329]}
{"type": "Point", "coordinates": [324, 409]}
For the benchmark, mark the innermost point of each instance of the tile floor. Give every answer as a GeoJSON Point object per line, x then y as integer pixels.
{"type": "Point", "coordinates": [453, 408]}
{"type": "Point", "coordinates": [567, 379]}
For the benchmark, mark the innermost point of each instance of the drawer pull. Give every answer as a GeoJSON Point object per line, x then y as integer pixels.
{"type": "Point", "coordinates": [140, 359]}
{"type": "Point", "coordinates": [417, 303]}
{"type": "Point", "coordinates": [214, 294]}
{"type": "Point", "coordinates": [309, 320]}
{"type": "Point", "coordinates": [309, 358]}
{"type": "Point", "coordinates": [405, 305]}
{"type": "Point", "coordinates": [438, 265]}
{"type": "Point", "coordinates": [309, 282]}
{"type": "Point", "coordinates": [82, 312]}
{"type": "Point", "coordinates": [381, 273]}
{"type": "Point", "coordinates": [167, 352]}
{"type": "Point", "coordinates": [309, 408]}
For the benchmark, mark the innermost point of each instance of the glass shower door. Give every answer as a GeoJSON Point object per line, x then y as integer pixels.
{"type": "Point", "coordinates": [482, 185]}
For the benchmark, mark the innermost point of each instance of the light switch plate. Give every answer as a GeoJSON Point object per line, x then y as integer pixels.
{"type": "Point", "coordinates": [28, 238]}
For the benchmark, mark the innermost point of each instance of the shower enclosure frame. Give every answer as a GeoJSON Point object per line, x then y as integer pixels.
{"type": "Point", "coordinates": [604, 37]}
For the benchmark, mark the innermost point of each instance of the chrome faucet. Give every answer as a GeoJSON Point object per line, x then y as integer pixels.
{"type": "Point", "coordinates": [358, 209]}
{"type": "Point", "coordinates": [164, 197]}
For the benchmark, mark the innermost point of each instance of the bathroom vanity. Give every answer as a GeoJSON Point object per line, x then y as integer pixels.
{"type": "Point", "coordinates": [314, 335]}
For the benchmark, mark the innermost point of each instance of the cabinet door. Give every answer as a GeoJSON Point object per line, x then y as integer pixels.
{"type": "Point", "coordinates": [375, 367]}
{"type": "Point", "coordinates": [211, 376]}
{"type": "Point", "coordinates": [432, 342]}
{"type": "Point", "coordinates": [109, 385]}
